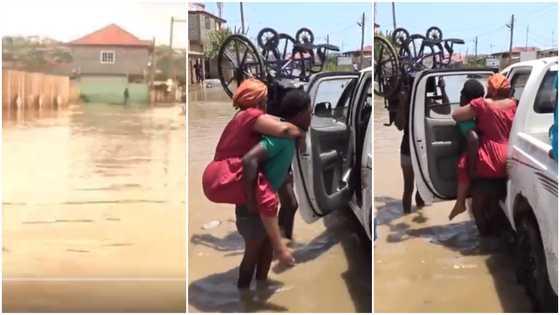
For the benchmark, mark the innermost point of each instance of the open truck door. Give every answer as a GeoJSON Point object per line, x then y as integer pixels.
{"type": "Point", "coordinates": [322, 168]}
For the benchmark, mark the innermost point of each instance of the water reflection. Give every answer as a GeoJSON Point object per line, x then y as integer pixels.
{"type": "Point", "coordinates": [94, 199]}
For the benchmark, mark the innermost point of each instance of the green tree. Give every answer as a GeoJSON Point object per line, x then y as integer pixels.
{"type": "Point", "coordinates": [169, 63]}
{"type": "Point", "coordinates": [216, 39]}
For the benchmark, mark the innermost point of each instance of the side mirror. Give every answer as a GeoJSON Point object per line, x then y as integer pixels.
{"type": "Point", "coordinates": [323, 109]}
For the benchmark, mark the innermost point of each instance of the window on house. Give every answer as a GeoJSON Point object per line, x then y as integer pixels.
{"type": "Point", "coordinates": [107, 57]}
{"type": "Point", "coordinates": [207, 21]}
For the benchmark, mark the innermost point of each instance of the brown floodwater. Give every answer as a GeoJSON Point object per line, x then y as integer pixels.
{"type": "Point", "coordinates": [333, 273]}
{"type": "Point", "coordinates": [94, 209]}
{"type": "Point", "coordinates": [423, 262]}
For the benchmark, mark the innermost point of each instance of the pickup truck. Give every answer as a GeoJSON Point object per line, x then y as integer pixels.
{"type": "Point", "coordinates": [531, 191]}
{"type": "Point", "coordinates": [531, 203]}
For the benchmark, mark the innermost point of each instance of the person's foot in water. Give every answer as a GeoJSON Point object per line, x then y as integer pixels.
{"type": "Point", "coordinates": [407, 204]}
{"type": "Point", "coordinates": [419, 201]}
{"type": "Point", "coordinates": [458, 208]}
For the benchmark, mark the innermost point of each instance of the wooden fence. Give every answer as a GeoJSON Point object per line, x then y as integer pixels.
{"type": "Point", "coordinates": [22, 90]}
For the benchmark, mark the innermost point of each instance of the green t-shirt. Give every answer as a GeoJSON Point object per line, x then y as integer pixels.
{"type": "Point", "coordinates": [465, 126]}
{"type": "Point", "coordinates": [280, 153]}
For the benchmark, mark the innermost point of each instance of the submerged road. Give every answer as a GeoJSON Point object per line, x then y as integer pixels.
{"type": "Point", "coordinates": [423, 262]}
{"type": "Point", "coordinates": [94, 209]}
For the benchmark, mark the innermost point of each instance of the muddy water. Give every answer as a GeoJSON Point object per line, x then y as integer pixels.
{"type": "Point", "coordinates": [334, 269]}
{"type": "Point", "coordinates": [93, 209]}
{"type": "Point", "coordinates": [424, 263]}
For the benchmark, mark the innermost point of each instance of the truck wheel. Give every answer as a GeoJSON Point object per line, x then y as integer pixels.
{"type": "Point", "coordinates": [532, 267]}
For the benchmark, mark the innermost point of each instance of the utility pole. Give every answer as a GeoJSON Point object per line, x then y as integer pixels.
{"type": "Point", "coordinates": [526, 37]}
{"type": "Point", "coordinates": [171, 33]}
{"type": "Point", "coordinates": [394, 16]}
{"type": "Point", "coordinates": [363, 25]}
{"type": "Point", "coordinates": [327, 39]}
{"type": "Point", "coordinates": [242, 18]}
{"type": "Point", "coordinates": [374, 12]}
{"type": "Point", "coordinates": [476, 46]}
{"type": "Point", "coordinates": [173, 21]}
{"type": "Point", "coordinates": [220, 9]}
{"type": "Point", "coordinates": [510, 26]}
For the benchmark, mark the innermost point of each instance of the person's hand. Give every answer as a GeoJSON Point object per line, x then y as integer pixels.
{"type": "Point", "coordinates": [285, 257]}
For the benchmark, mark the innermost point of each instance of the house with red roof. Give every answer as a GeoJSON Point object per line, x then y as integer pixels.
{"type": "Point", "coordinates": [109, 61]}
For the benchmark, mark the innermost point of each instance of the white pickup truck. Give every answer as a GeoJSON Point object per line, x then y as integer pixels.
{"type": "Point", "coordinates": [531, 203]}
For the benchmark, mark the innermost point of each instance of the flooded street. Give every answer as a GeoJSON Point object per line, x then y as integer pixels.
{"type": "Point", "coordinates": [334, 262]}
{"type": "Point", "coordinates": [423, 262]}
{"type": "Point", "coordinates": [94, 217]}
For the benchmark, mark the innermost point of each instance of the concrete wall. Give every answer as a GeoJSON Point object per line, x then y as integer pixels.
{"type": "Point", "coordinates": [110, 89]}
{"type": "Point", "coordinates": [194, 27]}
{"type": "Point", "coordinates": [128, 60]}
{"type": "Point", "coordinates": [199, 29]}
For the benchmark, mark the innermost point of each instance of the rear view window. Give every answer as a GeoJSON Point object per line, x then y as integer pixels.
{"type": "Point", "coordinates": [518, 82]}
{"type": "Point", "coordinates": [547, 96]}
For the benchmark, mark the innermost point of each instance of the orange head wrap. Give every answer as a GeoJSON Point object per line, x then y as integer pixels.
{"type": "Point", "coordinates": [498, 85]}
{"type": "Point", "coordinates": [251, 93]}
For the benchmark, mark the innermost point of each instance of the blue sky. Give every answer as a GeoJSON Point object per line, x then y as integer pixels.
{"type": "Point", "coordinates": [487, 20]}
{"type": "Point", "coordinates": [336, 19]}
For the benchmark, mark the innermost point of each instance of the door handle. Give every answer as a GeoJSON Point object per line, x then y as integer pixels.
{"type": "Point", "coordinates": [345, 181]}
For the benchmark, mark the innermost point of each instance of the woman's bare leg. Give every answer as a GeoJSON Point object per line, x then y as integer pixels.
{"type": "Point", "coordinates": [264, 260]}
{"type": "Point", "coordinates": [249, 262]}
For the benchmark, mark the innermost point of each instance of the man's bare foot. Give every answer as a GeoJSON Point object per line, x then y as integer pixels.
{"type": "Point", "coordinates": [457, 209]}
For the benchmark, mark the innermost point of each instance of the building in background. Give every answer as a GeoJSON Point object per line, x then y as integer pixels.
{"type": "Point", "coordinates": [354, 56]}
{"type": "Point", "coordinates": [201, 23]}
{"type": "Point", "coordinates": [505, 59]}
{"type": "Point", "coordinates": [109, 61]}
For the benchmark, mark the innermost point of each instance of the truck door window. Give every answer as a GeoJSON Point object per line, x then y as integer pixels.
{"type": "Point", "coordinates": [518, 82]}
{"type": "Point", "coordinates": [337, 93]}
{"type": "Point", "coordinates": [442, 99]}
{"type": "Point", "coordinates": [547, 96]}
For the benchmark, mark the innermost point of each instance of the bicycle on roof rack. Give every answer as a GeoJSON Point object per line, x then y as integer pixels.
{"type": "Point", "coordinates": [409, 54]}
{"type": "Point", "coordinates": [396, 60]}
{"type": "Point", "coordinates": [280, 57]}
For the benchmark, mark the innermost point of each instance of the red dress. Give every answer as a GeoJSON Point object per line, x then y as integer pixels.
{"type": "Point", "coordinates": [493, 125]}
{"type": "Point", "coordinates": [222, 180]}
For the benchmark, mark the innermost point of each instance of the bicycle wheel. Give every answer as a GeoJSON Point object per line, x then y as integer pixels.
{"type": "Point", "coordinates": [267, 38]}
{"type": "Point", "coordinates": [434, 33]}
{"type": "Point", "coordinates": [386, 68]}
{"type": "Point", "coordinates": [304, 36]}
{"type": "Point", "coordinates": [400, 35]}
{"type": "Point", "coordinates": [417, 54]}
{"type": "Point", "coordinates": [284, 51]}
{"type": "Point", "coordinates": [238, 59]}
